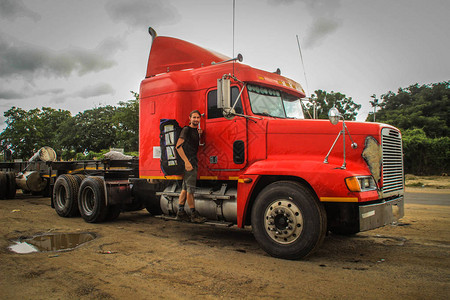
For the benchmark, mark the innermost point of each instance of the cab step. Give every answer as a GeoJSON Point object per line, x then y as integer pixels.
{"type": "Point", "coordinates": [209, 222]}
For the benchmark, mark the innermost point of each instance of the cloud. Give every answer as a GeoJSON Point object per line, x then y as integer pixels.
{"type": "Point", "coordinates": [325, 20]}
{"type": "Point", "coordinates": [96, 90]}
{"type": "Point", "coordinates": [99, 89]}
{"type": "Point", "coordinates": [18, 59]}
{"type": "Point", "coordinates": [280, 2]}
{"type": "Point", "coordinates": [49, 92]}
{"type": "Point", "coordinates": [320, 29]}
{"type": "Point", "coordinates": [10, 94]}
{"type": "Point", "coordinates": [26, 92]}
{"type": "Point", "coordinates": [111, 46]}
{"type": "Point", "coordinates": [12, 9]}
{"type": "Point", "coordinates": [324, 15]}
{"type": "Point", "coordinates": [143, 13]}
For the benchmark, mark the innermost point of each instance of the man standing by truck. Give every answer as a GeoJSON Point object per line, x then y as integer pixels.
{"type": "Point", "coordinates": [187, 148]}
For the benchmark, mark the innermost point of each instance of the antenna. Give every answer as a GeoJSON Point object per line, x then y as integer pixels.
{"type": "Point", "coordinates": [234, 13]}
{"type": "Point", "coordinates": [306, 80]}
{"type": "Point", "coordinates": [303, 65]}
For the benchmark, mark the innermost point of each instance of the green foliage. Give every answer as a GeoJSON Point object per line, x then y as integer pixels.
{"type": "Point", "coordinates": [325, 101]}
{"type": "Point", "coordinates": [28, 131]}
{"type": "Point", "coordinates": [423, 155]}
{"type": "Point", "coordinates": [127, 120]}
{"type": "Point", "coordinates": [91, 155]}
{"type": "Point", "coordinates": [91, 130]}
{"type": "Point", "coordinates": [422, 113]}
{"type": "Point", "coordinates": [426, 107]}
{"type": "Point", "coordinates": [88, 132]}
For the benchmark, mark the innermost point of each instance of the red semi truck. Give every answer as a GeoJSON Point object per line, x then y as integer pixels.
{"type": "Point", "coordinates": [261, 162]}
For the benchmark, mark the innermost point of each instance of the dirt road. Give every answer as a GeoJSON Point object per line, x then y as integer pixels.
{"type": "Point", "coordinates": [143, 257]}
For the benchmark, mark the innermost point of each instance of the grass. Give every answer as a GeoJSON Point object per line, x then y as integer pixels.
{"type": "Point", "coordinates": [437, 182]}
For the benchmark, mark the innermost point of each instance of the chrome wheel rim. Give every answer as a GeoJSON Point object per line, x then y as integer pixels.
{"type": "Point", "coordinates": [283, 221]}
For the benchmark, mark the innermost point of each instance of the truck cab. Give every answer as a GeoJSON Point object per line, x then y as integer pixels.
{"type": "Point", "coordinates": [261, 162]}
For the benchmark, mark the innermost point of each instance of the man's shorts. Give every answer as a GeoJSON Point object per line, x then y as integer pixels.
{"type": "Point", "coordinates": [190, 181]}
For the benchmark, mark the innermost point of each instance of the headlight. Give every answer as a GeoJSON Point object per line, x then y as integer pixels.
{"type": "Point", "coordinates": [360, 183]}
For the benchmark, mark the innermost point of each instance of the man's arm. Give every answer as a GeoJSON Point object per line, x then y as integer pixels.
{"type": "Point", "coordinates": [187, 163]}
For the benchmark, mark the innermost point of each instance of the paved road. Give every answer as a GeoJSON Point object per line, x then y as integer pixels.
{"type": "Point", "coordinates": [427, 198]}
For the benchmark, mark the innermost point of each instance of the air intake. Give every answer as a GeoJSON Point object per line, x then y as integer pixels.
{"type": "Point", "coordinates": [391, 143]}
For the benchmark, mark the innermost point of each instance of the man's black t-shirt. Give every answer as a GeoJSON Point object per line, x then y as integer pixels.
{"type": "Point", "coordinates": [190, 145]}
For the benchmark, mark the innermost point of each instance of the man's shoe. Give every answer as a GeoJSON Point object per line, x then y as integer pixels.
{"type": "Point", "coordinates": [182, 216]}
{"type": "Point", "coordinates": [196, 218]}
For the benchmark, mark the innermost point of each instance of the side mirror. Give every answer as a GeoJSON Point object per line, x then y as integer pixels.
{"type": "Point", "coordinates": [223, 94]}
{"type": "Point", "coordinates": [334, 115]}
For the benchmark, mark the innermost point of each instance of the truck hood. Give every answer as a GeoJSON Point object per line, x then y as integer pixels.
{"type": "Point", "coordinates": [311, 140]}
{"type": "Point", "coordinates": [322, 127]}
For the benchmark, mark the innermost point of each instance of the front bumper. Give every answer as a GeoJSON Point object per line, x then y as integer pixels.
{"type": "Point", "coordinates": [377, 215]}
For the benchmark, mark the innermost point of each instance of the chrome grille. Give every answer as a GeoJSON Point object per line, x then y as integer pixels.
{"type": "Point", "coordinates": [391, 143]}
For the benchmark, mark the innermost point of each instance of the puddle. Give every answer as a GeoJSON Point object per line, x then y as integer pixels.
{"type": "Point", "coordinates": [51, 242]}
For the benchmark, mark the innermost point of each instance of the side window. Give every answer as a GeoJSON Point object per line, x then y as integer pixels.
{"type": "Point", "coordinates": [214, 112]}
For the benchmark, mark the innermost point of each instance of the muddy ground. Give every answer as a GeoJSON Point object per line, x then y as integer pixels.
{"type": "Point", "coordinates": [142, 257]}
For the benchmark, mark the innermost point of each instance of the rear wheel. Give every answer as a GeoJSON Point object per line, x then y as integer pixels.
{"type": "Point", "coordinates": [287, 221]}
{"type": "Point", "coordinates": [113, 212]}
{"type": "Point", "coordinates": [65, 196]}
{"type": "Point", "coordinates": [91, 200]}
{"type": "Point", "coordinates": [3, 185]}
{"type": "Point", "coordinates": [11, 187]}
{"type": "Point", "coordinates": [153, 207]}
{"type": "Point", "coordinates": [79, 178]}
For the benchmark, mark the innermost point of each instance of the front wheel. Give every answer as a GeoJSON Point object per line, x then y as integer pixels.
{"type": "Point", "coordinates": [287, 221]}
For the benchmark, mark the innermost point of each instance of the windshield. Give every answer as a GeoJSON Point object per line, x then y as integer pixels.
{"type": "Point", "coordinates": [274, 103]}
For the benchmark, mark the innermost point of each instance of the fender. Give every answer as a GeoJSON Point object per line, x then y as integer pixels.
{"type": "Point", "coordinates": [327, 181]}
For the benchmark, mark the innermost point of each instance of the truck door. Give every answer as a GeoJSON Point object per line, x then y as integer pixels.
{"type": "Point", "coordinates": [225, 140]}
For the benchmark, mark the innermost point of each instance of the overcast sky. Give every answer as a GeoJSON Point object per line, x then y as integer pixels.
{"type": "Point", "coordinates": [77, 55]}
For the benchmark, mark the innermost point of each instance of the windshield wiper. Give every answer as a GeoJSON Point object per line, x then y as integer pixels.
{"type": "Point", "coordinates": [263, 114]}
{"type": "Point", "coordinates": [266, 115]}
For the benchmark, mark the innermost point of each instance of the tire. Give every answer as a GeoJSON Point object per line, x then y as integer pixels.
{"type": "Point", "coordinates": [152, 204]}
{"type": "Point", "coordinates": [3, 185]}
{"type": "Point", "coordinates": [11, 185]}
{"type": "Point", "coordinates": [134, 206]}
{"type": "Point", "coordinates": [154, 208]}
{"type": "Point", "coordinates": [65, 196]}
{"type": "Point", "coordinates": [287, 221]}
{"type": "Point", "coordinates": [79, 178]}
{"type": "Point", "coordinates": [91, 200]}
{"type": "Point", "coordinates": [113, 212]}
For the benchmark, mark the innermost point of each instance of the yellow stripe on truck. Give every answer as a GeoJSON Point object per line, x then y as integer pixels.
{"type": "Point", "coordinates": [338, 199]}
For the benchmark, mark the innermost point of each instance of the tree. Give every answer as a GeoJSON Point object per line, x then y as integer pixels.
{"type": "Point", "coordinates": [28, 131]}
{"type": "Point", "coordinates": [325, 101]}
{"type": "Point", "coordinates": [91, 130]}
{"type": "Point", "coordinates": [418, 106]}
{"type": "Point", "coordinates": [424, 155]}
{"type": "Point", "coordinates": [127, 120]}
{"type": "Point", "coordinates": [422, 113]}
{"type": "Point", "coordinates": [374, 104]}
